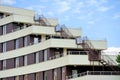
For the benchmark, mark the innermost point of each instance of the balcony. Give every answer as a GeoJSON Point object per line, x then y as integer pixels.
{"type": "Point", "coordinates": [95, 75]}
{"type": "Point", "coordinates": [10, 10]}
{"type": "Point", "coordinates": [27, 31]}
{"type": "Point", "coordinates": [52, 42]}
{"type": "Point", "coordinates": [69, 59]}
{"type": "Point", "coordinates": [16, 18]}
{"type": "Point", "coordinates": [73, 58]}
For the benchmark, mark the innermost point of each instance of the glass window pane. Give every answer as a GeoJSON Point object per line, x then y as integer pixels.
{"type": "Point", "coordinates": [37, 57]}
{"type": "Point", "coordinates": [17, 43]}
{"type": "Point", "coordinates": [25, 60]}
{"type": "Point", "coordinates": [36, 40]}
{"type": "Point", "coordinates": [17, 62]}
{"type": "Point", "coordinates": [25, 41]}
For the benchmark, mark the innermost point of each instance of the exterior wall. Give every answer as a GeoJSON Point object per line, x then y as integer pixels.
{"type": "Point", "coordinates": [32, 68]}
{"type": "Point", "coordinates": [31, 59]}
{"type": "Point", "coordinates": [0, 30]}
{"type": "Point", "coordinates": [10, 78]}
{"type": "Point", "coordinates": [21, 42]}
{"type": "Point", "coordinates": [66, 60]}
{"type": "Point", "coordinates": [10, 45]}
{"type": "Point", "coordinates": [59, 74]}
{"type": "Point", "coordinates": [98, 77]}
{"type": "Point", "coordinates": [1, 65]}
{"type": "Point", "coordinates": [13, 10]}
{"type": "Point", "coordinates": [1, 48]}
{"type": "Point", "coordinates": [31, 77]}
{"type": "Point", "coordinates": [9, 27]}
{"type": "Point", "coordinates": [75, 32]}
{"type": "Point", "coordinates": [49, 74]}
{"type": "Point", "coordinates": [17, 18]}
{"type": "Point", "coordinates": [21, 77]}
{"type": "Point", "coordinates": [10, 63]}
{"type": "Point", "coordinates": [38, 30]}
{"type": "Point", "coordinates": [40, 75]}
{"type": "Point", "coordinates": [21, 61]}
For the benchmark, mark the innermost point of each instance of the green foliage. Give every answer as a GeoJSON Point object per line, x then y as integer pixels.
{"type": "Point", "coordinates": [118, 59]}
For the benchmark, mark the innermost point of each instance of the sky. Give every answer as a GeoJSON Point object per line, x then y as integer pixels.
{"type": "Point", "coordinates": [98, 19]}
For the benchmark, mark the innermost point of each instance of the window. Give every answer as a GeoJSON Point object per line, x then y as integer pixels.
{"type": "Point", "coordinates": [55, 74]}
{"type": "Point", "coordinates": [45, 76]}
{"type": "Point", "coordinates": [25, 41]}
{"type": "Point", "coordinates": [4, 47]}
{"type": "Point", "coordinates": [37, 57]}
{"type": "Point", "coordinates": [17, 78]}
{"type": "Point", "coordinates": [17, 43]}
{"type": "Point", "coordinates": [25, 60]}
{"type": "Point", "coordinates": [17, 62]}
{"type": "Point", "coordinates": [74, 73]}
{"type": "Point", "coordinates": [4, 64]}
{"type": "Point", "coordinates": [26, 77]}
{"type": "Point", "coordinates": [37, 76]}
{"type": "Point", "coordinates": [36, 40]}
{"type": "Point", "coordinates": [4, 29]}
{"type": "Point", "coordinates": [45, 55]}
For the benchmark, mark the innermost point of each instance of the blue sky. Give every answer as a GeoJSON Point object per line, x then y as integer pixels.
{"type": "Point", "coordinates": [99, 19]}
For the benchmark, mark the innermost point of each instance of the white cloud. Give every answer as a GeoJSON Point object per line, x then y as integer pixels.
{"type": "Point", "coordinates": [8, 2]}
{"type": "Point", "coordinates": [91, 22]}
{"type": "Point", "coordinates": [112, 51]}
{"type": "Point", "coordinates": [116, 16]}
{"type": "Point", "coordinates": [50, 13]}
{"type": "Point", "coordinates": [37, 8]}
{"type": "Point", "coordinates": [63, 6]}
{"type": "Point", "coordinates": [104, 8]}
{"type": "Point", "coordinates": [66, 18]}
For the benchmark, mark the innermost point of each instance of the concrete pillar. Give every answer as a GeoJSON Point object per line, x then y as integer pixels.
{"type": "Point", "coordinates": [64, 51]}
{"type": "Point", "coordinates": [43, 38]}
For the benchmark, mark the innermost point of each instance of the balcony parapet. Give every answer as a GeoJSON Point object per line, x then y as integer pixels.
{"type": "Point", "coordinates": [93, 73]}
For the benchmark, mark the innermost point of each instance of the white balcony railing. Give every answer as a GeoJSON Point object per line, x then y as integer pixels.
{"type": "Point", "coordinates": [93, 73]}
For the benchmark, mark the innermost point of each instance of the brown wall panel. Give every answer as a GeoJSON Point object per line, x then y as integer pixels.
{"type": "Point", "coordinates": [40, 75]}
{"type": "Point", "coordinates": [64, 73]}
{"type": "Point", "coordinates": [59, 74]}
{"type": "Point", "coordinates": [28, 38]}
{"type": "Point", "coordinates": [0, 30]}
{"type": "Point", "coordinates": [10, 45]}
{"type": "Point", "coordinates": [21, 61]}
{"type": "Point", "coordinates": [9, 27]}
{"type": "Point", "coordinates": [21, 44]}
{"type": "Point", "coordinates": [15, 26]}
{"type": "Point", "coordinates": [41, 56]}
{"type": "Point", "coordinates": [31, 59]}
{"type": "Point", "coordinates": [10, 63]}
{"type": "Point", "coordinates": [1, 47]}
{"type": "Point", "coordinates": [1, 64]}
{"type": "Point", "coordinates": [50, 74]}
{"type": "Point", "coordinates": [21, 77]}
{"type": "Point", "coordinates": [10, 78]}
{"type": "Point", "coordinates": [31, 77]}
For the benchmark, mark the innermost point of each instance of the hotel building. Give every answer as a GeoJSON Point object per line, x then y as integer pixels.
{"type": "Point", "coordinates": [33, 47]}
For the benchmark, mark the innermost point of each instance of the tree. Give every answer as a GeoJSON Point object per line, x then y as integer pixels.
{"type": "Point", "coordinates": [118, 59]}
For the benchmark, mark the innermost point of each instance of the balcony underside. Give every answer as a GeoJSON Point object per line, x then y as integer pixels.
{"type": "Point", "coordinates": [59, 62]}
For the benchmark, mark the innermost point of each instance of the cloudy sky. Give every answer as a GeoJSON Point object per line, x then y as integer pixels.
{"type": "Point", "coordinates": [99, 19]}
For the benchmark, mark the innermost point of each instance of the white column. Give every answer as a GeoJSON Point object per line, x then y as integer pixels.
{"type": "Point", "coordinates": [65, 51]}
{"type": "Point", "coordinates": [43, 38]}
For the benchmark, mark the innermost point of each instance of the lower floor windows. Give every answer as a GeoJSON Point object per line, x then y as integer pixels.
{"type": "Point", "coordinates": [26, 77]}
{"type": "Point", "coordinates": [17, 78]}
{"type": "Point", "coordinates": [17, 62]}
{"type": "Point", "coordinates": [4, 64]}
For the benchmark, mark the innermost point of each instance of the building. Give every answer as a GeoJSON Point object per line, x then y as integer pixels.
{"type": "Point", "coordinates": [33, 47]}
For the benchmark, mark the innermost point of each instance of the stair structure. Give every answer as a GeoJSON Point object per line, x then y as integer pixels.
{"type": "Point", "coordinates": [95, 55]}
{"type": "Point", "coordinates": [43, 21]}
{"type": "Point", "coordinates": [65, 32]}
